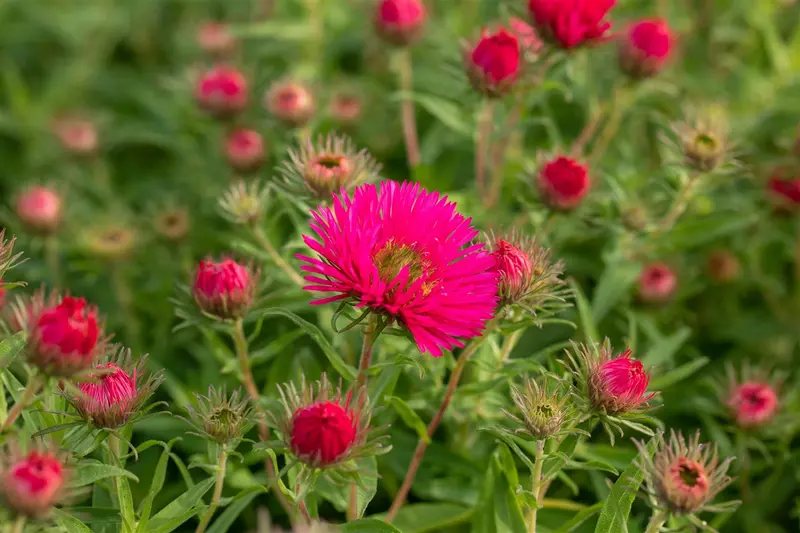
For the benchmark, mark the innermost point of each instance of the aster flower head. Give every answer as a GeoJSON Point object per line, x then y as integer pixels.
{"type": "Point", "coordinates": [751, 396]}
{"type": "Point", "coordinates": [33, 482]}
{"type": "Point", "coordinates": [291, 102]}
{"type": "Point", "coordinates": [407, 255]}
{"type": "Point", "coordinates": [39, 208]}
{"type": "Point", "coordinates": [527, 276]}
{"type": "Point", "coordinates": [494, 61]}
{"type": "Point", "coordinates": [328, 166]}
{"type": "Point", "coordinates": [571, 23]}
{"type": "Point", "coordinates": [545, 407]}
{"type": "Point", "coordinates": [400, 22]}
{"type": "Point", "coordinates": [222, 91]}
{"type": "Point", "coordinates": [112, 242]}
{"type": "Point", "coordinates": [529, 40]}
{"type": "Point", "coordinates": [783, 189]}
{"type": "Point", "coordinates": [346, 108]}
{"type": "Point", "coordinates": [221, 417]}
{"type": "Point", "coordinates": [224, 289]}
{"type": "Point", "coordinates": [172, 224]}
{"type": "Point", "coordinates": [244, 202]}
{"type": "Point", "coordinates": [215, 38]}
{"type": "Point", "coordinates": [646, 47]}
{"type": "Point", "coordinates": [114, 393]}
{"type": "Point", "coordinates": [562, 182]}
{"type": "Point", "coordinates": [703, 139]}
{"type": "Point", "coordinates": [244, 150]}
{"type": "Point", "coordinates": [323, 427]}
{"type": "Point", "coordinates": [683, 477]}
{"type": "Point", "coordinates": [657, 283]}
{"type": "Point", "coordinates": [77, 135]}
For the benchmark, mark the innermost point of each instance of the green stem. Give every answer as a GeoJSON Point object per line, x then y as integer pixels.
{"type": "Point", "coordinates": [482, 138]}
{"type": "Point", "coordinates": [407, 113]}
{"type": "Point", "coordinates": [124, 296]}
{"type": "Point", "coordinates": [53, 259]}
{"type": "Point", "coordinates": [264, 241]}
{"type": "Point", "coordinates": [222, 462]}
{"type": "Point", "coordinates": [536, 485]}
{"type": "Point", "coordinates": [31, 389]}
{"type": "Point", "coordinates": [19, 525]}
{"type": "Point", "coordinates": [679, 206]}
{"type": "Point", "coordinates": [656, 521]}
{"type": "Point", "coordinates": [611, 127]}
{"type": "Point", "coordinates": [419, 453]}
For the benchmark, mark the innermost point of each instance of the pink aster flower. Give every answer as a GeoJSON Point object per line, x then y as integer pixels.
{"type": "Point", "coordinates": [404, 253]}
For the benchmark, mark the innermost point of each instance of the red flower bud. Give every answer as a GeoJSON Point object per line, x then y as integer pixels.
{"type": "Point", "coordinates": [222, 91]}
{"type": "Point", "coordinates": [657, 283]}
{"type": "Point", "coordinates": [645, 48]}
{"type": "Point", "coordinates": [784, 190]}
{"type": "Point", "coordinates": [400, 22]}
{"type": "Point", "coordinates": [753, 403]}
{"type": "Point", "coordinates": [529, 40]}
{"type": "Point", "coordinates": [723, 266]}
{"type": "Point", "coordinates": [107, 400]}
{"type": "Point", "coordinates": [77, 136]}
{"type": "Point", "coordinates": [322, 433]}
{"type": "Point", "coordinates": [618, 385]}
{"type": "Point", "coordinates": [64, 338]}
{"type": "Point", "coordinates": [215, 38]}
{"type": "Point", "coordinates": [223, 289]}
{"type": "Point", "coordinates": [514, 267]}
{"type": "Point", "coordinates": [291, 103]}
{"type": "Point", "coordinates": [39, 209]}
{"type": "Point", "coordinates": [31, 485]}
{"type": "Point", "coordinates": [571, 23]}
{"type": "Point", "coordinates": [345, 109]}
{"type": "Point", "coordinates": [244, 150]}
{"type": "Point", "coordinates": [563, 183]}
{"type": "Point", "coordinates": [493, 64]}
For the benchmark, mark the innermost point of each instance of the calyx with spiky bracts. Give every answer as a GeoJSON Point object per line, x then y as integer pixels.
{"type": "Point", "coordinates": [703, 140]}
{"type": "Point", "coordinates": [32, 482]}
{"type": "Point", "coordinates": [8, 259]}
{"type": "Point", "coordinates": [545, 408]}
{"type": "Point", "coordinates": [324, 428]}
{"type": "Point", "coordinates": [328, 166]}
{"type": "Point", "coordinates": [244, 202]}
{"type": "Point", "coordinates": [221, 417]}
{"type": "Point", "coordinates": [114, 393]}
{"type": "Point", "coordinates": [683, 477]}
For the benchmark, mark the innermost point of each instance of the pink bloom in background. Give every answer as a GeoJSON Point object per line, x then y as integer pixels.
{"type": "Point", "coordinates": [646, 47]}
{"type": "Point", "coordinates": [493, 64]}
{"type": "Point", "coordinates": [571, 23]}
{"type": "Point", "coordinates": [224, 289]}
{"type": "Point", "coordinates": [291, 103]}
{"type": "Point", "coordinates": [244, 150]}
{"type": "Point", "coordinates": [345, 109]}
{"type": "Point", "coordinates": [618, 385]}
{"type": "Point", "coordinates": [657, 283]}
{"type": "Point", "coordinates": [323, 432]}
{"type": "Point", "coordinates": [400, 22]}
{"type": "Point", "coordinates": [39, 209]}
{"type": "Point", "coordinates": [65, 338]}
{"type": "Point", "coordinates": [76, 135]}
{"type": "Point", "coordinates": [215, 38]}
{"type": "Point", "coordinates": [222, 91]}
{"type": "Point", "coordinates": [32, 484]}
{"type": "Point", "coordinates": [753, 403]}
{"type": "Point", "coordinates": [784, 190]}
{"type": "Point", "coordinates": [528, 38]}
{"type": "Point", "coordinates": [513, 265]}
{"type": "Point", "coordinates": [406, 253]}
{"type": "Point", "coordinates": [564, 182]}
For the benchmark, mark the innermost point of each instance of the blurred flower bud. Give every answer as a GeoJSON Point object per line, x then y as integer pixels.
{"type": "Point", "coordinates": [172, 224]}
{"type": "Point", "coordinates": [493, 63]}
{"type": "Point", "coordinates": [244, 150]}
{"type": "Point", "coordinates": [32, 484]}
{"type": "Point", "coordinates": [244, 203]}
{"type": "Point", "coordinates": [400, 22]}
{"type": "Point", "coordinates": [345, 109]}
{"type": "Point", "coordinates": [114, 242]}
{"type": "Point", "coordinates": [784, 190]}
{"type": "Point", "coordinates": [703, 141]}
{"type": "Point", "coordinates": [215, 38]}
{"type": "Point", "coordinates": [77, 136]}
{"type": "Point", "coordinates": [224, 419]}
{"type": "Point", "coordinates": [39, 209]}
{"type": "Point", "coordinates": [529, 40]}
{"type": "Point", "coordinates": [657, 283]}
{"type": "Point", "coordinates": [222, 91]}
{"type": "Point", "coordinates": [291, 103]}
{"type": "Point", "coordinates": [563, 183]}
{"type": "Point", "coordinates": [645, 48]}
{"type": "Point", "coordinates": [723, 266]}
{"type": "Point", "coordinates": [568, 24]}
{"type": "Point", "coordinates": [225, 289]}
{"type": "Point", "coordinates": [634, 218]}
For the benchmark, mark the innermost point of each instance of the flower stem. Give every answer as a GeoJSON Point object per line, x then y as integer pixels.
{"type": "Point", "coordinates": [19, 524]}
{"type": "Point", "coordinates": [124, 296]}
{"type": "Point", "coordinates": [301, 506]}
{"type": "Point", "coordinates": [406, 72]}
{"type": "Point", "coordinates": [51, 253]}
{"type": "Point", "coordinates": [419, 453]}
{"type": "Point", "coordinates": [499, 154]}
{"type": "Point", "coordinates": [482, 138]}
{"type": "Point", "coordinates": [656, 521]}
{"type": "Point", "coordinates": [679, 206]}
{"type": "Point", "coordinates": [536, 485]}
{"type": "Point", "coordinates": [611, 127]}
{"type": "Point", "coordinates": [31, 389]}
{"type": "Point", "coordinates": [264, 241]}
{"type": "Point", "coordinates": [212, 507]}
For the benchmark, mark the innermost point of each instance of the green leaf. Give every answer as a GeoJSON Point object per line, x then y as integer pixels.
{"type": "Point", "coordinates": [614, 284]}
{"type": "Point", "coordinates": [125, 499]}
{"type": "Point", "coordinates": [238, 504]}
{"type": "Point", "coordinates": [588, 325]}
{"type": "Point", "coordinates": [10, 347]}
{"type": "Point", "coordinates": [617, 507]}
{"type": "Point", "coordinates": [159, 475]}
{"type": "Point", "coordinates": [430, 517]}
{"type": "Point", "coordinates": [188, 502]}
{"type": "Point", "coordinates": [176, 522]}
{"type": "Point", "coordinates": [339, 493]}
{"type": "Point", "coordinates": [70, 523]}
{"type": "Point", "coordinates": [368, 525]}
{"type": "Point", "coordinates": [91, 471]}
{"type": "Point", "coordinates": [679, 374]}
{"type": "Point", "coordinates": [410, 418]}
{"type": "Point", "coordinates": [665, 349]}
{"type": "Point", "coordinates": [345, 370]}
{"type": "Point", "coordinates": [445, 111]}
{"type": "Point", "coordinates": [581, 517]}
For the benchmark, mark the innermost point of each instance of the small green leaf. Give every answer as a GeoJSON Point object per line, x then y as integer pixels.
{"type": "Point", "coordinates": [70, 523]}
{"type": "Point", "coordinates": [665, 349]}
{"type": "Point", "coordinates": [679, 374]}
{"type": "Point", "coordinates": [159, 475]}
{"type": "Point", "coordinates": [572, 524]}
{"type": "Point", "coordinates": [587, 324]}
{"type": "Point", "coordinates": [238, 504]}
{"type": "Point", "coordinates": [125, 499]}
{"type": "Point", "coordinates": [410, 418]}
{"type": "Point", "coordinates": [614, 284]}
{"type": "Point", "coordinates": [446, 112]}
{"type": "Point", "coordinates": [10, 347]}
{"type": "Point", "coordinates": [430, 517]}
{"type": "Point", "coordinates": [90, 471]}
{"type": "Point", "coordinates": [368, 525]}
{"type": "Point", "coordinates": [185, 503]}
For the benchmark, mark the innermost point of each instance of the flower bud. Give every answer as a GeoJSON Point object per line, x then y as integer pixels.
{"type": "Point", "coordinates": [244, 150]}
{"type": "Point", "coordinates": [571, 23]}
{"type": "Point", "coordinates": [215, 38]}
{"type": "Point", "coordinates": [563, 183]}
{"type": "Point", "coordinates": [77, 136]}
{"type": "Point", "coordinates": [704, 140]}
{"type": "Point", "coordinates": [173, 224]}
{"type": "Point", "coordinates": [619, 384]}
{"type": "Point", "coordinates": [544, 413]}
{"type": "Point", "coordinates": [400, 22]}
{"type": "Point", "coordinates": [32, 484]}
{"type": "Point", "coordinates": [39, 209]}
{"type": "Point", "coordinates": [222, 418]}
{"type": "Point", "coordinates": [657, 283]}
{"type": "Point", "coordinates": [752, 403]}
{"type": "Point", "coordinates": [222, 91]}
{"type": "Point", "coordinates": [244, 203]}
{"type": "Point", "coordinates": [291, 103]}
{"type": "Point", "coordinates": [112, 242]}
{"type": "Point", "coordinates": [345, 109]}
{"type": "Point", "coordinates": [65, 338]}
{"type": "Point", "coordinates": [494, 62]}
{"type": "Point", "coordinates": [635, 218]}
{"type": "Point", "coordinates": [784, 190]}
{"type": "Point", "coordinates": [645, 48]}
{"type": "Point", "coordinates": [723, 266]}
{"type": "Point", "coordinates": [225, 289]}
{"type": "Point", "coordinates": [322, 432]}
{"type": "Point", "coordinates": [529, 40]}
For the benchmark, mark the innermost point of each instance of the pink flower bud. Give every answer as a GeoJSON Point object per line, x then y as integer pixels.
{"type": "Point", "coordinates": [493, 63]}
{"type": "Point", "coordinates": [108, 399]}
{"type": "Point", "coordinates": [564, 182]}
{"type": "Point", "coordinates": [400, 22]}
{"type": "Point", "coordinates": [215, 38]}
{"type": "Point", "coordinates": [345, 109]}
{"type": "Point", "coordinates": [646, 47]}
{"type": "Point", "coordinates": [77, 136]}
{"type": "Point", "coordinates": [291, 103]}
{"type": "Point", "coordinates": [225, 289]}
{"type": "Point", "coordinates": [657, 283]}
{"type": "Point", "coordinates": [619, 385]}
{"type": "Point", "coordinates": [64, 338]}
{"type": "Point", "coordinates": [322, 432]}
{"type": "Point", "coordinates": [39, 209]}
{"type": "Point", "coordinates": [222, 91]}
{"type": "Point", "coordinates": [244, 150]}
{"type": "Point", "coordinates": [784, 190]}
{"type": "Point", "coordinates": [32, 484]}
{"type": "Point", "coordinates": [753, 403]}
{"type": "Point", "coordinates": [571, 23]}
{"type": "Point", "coordinates": [529, 40]}
{"type": "Point", "coordinates": [514, 267]}
{"type": "Point", "coordinates": [723, 266]}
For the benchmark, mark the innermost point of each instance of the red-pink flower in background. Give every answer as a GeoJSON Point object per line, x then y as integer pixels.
{"type": "Point", "coordinates": [657, 283]}
{"type": "Point", "coordinates": [529, 40]}
{"type": "Point", "coordinates": [404, 253]}
{"type": "Point", "coordinates": [39, 209]}
{"type": "Point", "coordinates": [77, 136]}
{"type": "Point", "coordinates": [400, 22]}
{"type": "Point", "coordinates": [215, 38]}
{"type": "Point", "coordinates": [784, 189]}
{"type": "Point", "coordinates": [753, 403]}
{"type": "Point", "coordinates": [244, 150]}
{"type": "Point", "coordinates": [222, 91]}
{"type": "Point", "coordinates": [619, 384]}
{"type": "Point", "coordinates": [563, 182]}
{"type": "Point", "coordinates": [493, 63]}
{"type": "Point", "coordinates": [571, 23]}
{"type": "Point", "coordinates": [224, 289]}
{"type": "Point", "coordinates": [32, 484]}
{"type": "Point", "coordinates": [290, 102]}
{"type": "Point", "coordinates": [646, 47]}
{"type": "Point", "coordinates": [323, 432]}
